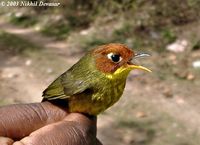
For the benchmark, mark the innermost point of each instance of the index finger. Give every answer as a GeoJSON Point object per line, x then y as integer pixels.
{"type": "Point", "coordinates": [17, 121]}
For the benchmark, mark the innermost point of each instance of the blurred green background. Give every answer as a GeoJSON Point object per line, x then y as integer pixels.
{"type": "Point", "coordinates": [160, 108]}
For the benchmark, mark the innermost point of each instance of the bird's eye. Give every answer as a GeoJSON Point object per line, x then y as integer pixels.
{"type": "Point", "coordinates": [114, 57]}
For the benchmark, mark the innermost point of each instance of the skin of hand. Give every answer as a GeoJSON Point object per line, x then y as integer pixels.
{"type": "Point", "coordinates": [45, 123]}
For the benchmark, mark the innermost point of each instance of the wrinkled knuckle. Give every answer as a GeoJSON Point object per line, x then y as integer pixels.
{"type": "Point", "coordinates": [39, 111]}
{"type": "Point", "coordinates": [85, 137]}
{"type": "Point", "coordinates": [88, 135]}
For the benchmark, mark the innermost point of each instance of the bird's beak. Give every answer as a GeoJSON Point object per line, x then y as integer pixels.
{"type": "Point", "coordinates": [131, 65]}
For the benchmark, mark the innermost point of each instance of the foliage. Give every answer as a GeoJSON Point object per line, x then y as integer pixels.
{"type": "Point", "coordinates": [23, 20]}
{"type": "Point", "coordinates": [60, 30]}
{"type": "Point", "coordinates": [150, 23]}
{"type": "Point", "coordinates": [13, 44]}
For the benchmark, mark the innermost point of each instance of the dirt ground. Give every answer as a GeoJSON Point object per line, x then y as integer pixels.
{"type": "Point", "coordinates": [158, 108]}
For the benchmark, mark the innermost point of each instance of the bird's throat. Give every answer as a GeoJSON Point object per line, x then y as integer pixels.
{"type": "Point", "coordinates": [120, 73]}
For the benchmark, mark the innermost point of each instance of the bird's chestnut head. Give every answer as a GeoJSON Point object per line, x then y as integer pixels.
{"type": "Point", "coordinates": [115, 58]}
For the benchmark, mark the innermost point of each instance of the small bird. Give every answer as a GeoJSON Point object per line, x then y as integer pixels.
{"type": "Point", "coordinates": [96, 81]}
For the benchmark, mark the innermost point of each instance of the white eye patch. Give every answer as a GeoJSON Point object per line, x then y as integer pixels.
{"type": "Point", "coordinates": [114, 57]}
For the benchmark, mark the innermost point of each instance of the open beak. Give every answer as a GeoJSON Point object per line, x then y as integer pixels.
{"type": "Point", "coordinates": [131, 65]}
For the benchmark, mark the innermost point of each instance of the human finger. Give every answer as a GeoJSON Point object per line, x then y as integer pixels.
{"type": "Point", "coordinates": [6, 141]}
{"type": "Point", "coordinates": [17, 121]}
{"type": "Point", "coordinates": [75, 129]}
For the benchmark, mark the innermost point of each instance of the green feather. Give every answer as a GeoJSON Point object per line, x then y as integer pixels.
{"type": "Point", "coordinates": [74, 81]}
{"type": "Point", "coordinates": [87, 89]}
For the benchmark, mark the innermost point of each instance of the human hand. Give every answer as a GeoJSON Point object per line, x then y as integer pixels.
{"type": "Point", "coordinates": [45, 124]}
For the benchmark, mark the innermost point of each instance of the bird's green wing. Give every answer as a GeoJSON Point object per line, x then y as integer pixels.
{"type": "Point", "coordinates": [65, 86]}
{"type": "Point", "coordinates": [76, 80]}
